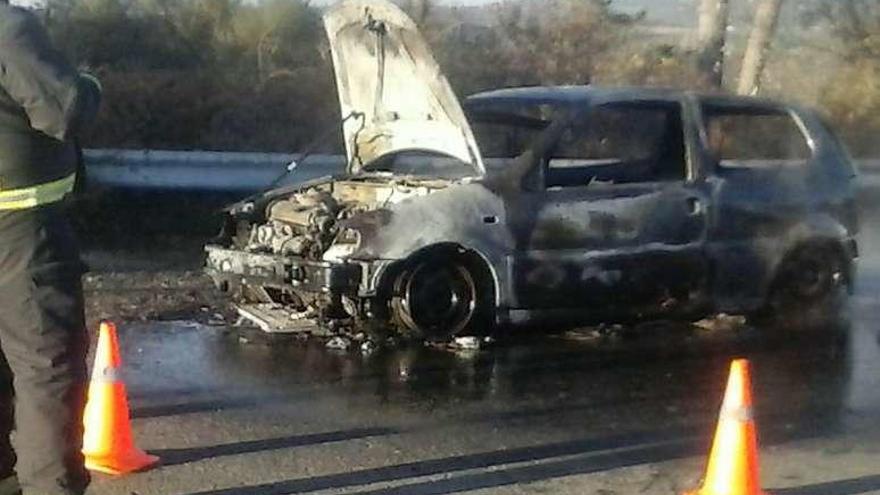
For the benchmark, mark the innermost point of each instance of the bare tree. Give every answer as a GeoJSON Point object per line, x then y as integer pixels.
{"type": "Point", "coordinates": [711, 40]}
{"type": "Point", "coordinates": [763, 29]}
{"type": "Point", "coordinates": [855, 24]}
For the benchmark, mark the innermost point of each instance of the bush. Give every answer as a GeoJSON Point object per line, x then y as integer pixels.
{"type": "Point", "coordinates": [852, 101]}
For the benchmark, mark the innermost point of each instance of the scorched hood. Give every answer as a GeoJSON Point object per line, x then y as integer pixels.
{"type": "Point", "coordinates": [391, 91]}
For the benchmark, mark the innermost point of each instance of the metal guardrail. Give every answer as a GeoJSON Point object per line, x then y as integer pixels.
{"type": "Point", "coordinates": [870, 174]}
{"type": "Point", "coordinates": [200, 170]}
{"type": "Point", "coordinates": [233, 172]}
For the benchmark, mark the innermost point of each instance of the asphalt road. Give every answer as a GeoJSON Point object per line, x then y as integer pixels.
{"type": "Point", "coordinates": [534, 414]}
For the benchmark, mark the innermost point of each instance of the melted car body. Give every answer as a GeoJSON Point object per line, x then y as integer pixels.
{"type": "Point", "coordinates": [548, 204]}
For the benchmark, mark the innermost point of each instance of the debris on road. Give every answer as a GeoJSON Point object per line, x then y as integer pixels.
{"type": "Point", "coordinates": [161, 296]}
{"type": "Point", "coordinates": [594, 333]}
{"type": "Point", "coordinates": [217, 320]}
{"type": "Point", "coordinates": [339, 343]}
{"type": "Point", "coordinates": [467, 343]}
{"type": "Point", "coordinates": [368, 347]}
{"type": "Point", "coordinates": [275, 318]}
{"type": "Point", "coordinates": [721, 323]}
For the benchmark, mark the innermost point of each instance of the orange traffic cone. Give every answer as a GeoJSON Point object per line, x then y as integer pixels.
{"type": "Point", "coordinates": [108, 445]}
{"type": "Point", "coordinates": [733, 463]}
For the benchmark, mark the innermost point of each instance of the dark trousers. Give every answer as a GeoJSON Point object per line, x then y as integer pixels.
{"type": "Point", "coordinates": [44, 342]}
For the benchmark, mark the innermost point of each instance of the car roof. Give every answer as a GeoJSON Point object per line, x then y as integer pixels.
{"type": "Point", "coordinates": [537, 95]}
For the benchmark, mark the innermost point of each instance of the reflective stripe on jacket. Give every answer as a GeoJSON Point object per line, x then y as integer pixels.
{"type": "Point", "coordinates": [39, 195]}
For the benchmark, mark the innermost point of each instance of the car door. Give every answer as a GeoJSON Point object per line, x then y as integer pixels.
{"type": "Point", "coordinates": [618, 226]}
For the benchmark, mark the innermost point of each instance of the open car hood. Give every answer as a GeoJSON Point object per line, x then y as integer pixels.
{"type": "Point", "coordinates": [391, 91]}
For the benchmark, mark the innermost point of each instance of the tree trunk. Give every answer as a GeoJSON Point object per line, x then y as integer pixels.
{"type": "Point", "coordinates": [764, 26]}
{"type": "Point", "coordinates": [711, 39]}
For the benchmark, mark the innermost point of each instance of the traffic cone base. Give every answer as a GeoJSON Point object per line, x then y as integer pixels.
{"type": "Point", "coordinates": [132, 462]}
{"type": "Point", "coordinates": [733, 467]}
{"type": "Point", "coordinates": [108, 445]}
{"type": "Point", "coordinates": [703, 491]}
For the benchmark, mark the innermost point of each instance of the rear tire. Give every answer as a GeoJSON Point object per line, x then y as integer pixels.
{"type": "Point", "coordinates": [810, 291]}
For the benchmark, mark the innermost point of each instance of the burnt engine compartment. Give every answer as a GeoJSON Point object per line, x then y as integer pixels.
{"type": "Point", "coordinates": [308, 222]}
{"type": "Point", "coordinates": [302, 225]}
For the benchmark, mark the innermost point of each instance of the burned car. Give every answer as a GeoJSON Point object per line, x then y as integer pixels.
{"type": "Point", "coordinates": [579, 205]}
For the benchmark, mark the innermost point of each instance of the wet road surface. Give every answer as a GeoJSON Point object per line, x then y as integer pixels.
{"type": "Point", "coordinates": [535, 414]}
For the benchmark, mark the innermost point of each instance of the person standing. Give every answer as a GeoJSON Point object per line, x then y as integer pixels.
{"type": "Point", "coordinates": [45, 104]}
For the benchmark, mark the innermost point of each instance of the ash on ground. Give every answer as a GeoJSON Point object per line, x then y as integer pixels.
{"type": "Point", "coordinates": [154, 296]}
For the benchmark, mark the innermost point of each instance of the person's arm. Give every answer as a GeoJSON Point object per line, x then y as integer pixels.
{"type": "Point", "coordinates": [57, 99]}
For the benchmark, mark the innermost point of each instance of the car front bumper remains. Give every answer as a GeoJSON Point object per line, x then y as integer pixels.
{"type": "Point", "coordinates": [232, 267]}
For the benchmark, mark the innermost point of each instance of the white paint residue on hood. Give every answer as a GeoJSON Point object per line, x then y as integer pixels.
{"type": "Point", "coordinates": [391, 91]}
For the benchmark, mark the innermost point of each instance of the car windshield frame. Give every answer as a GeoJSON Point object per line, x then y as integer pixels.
{"type": "Point", "coordinates": [521, 113]}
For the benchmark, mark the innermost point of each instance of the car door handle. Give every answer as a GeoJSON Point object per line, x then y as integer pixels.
{"type": "Point", "coordinates": [695, 207]}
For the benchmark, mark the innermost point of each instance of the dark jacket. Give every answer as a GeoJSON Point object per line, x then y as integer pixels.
{"type": "Point", "coordinates": [44, 104]}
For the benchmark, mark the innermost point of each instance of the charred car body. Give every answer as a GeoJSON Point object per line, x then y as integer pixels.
{"type": "Point", "coordinates": [579, 205]}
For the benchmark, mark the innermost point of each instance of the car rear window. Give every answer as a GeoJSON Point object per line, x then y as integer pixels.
{"type": "Point", "coordinates": [755, 138]}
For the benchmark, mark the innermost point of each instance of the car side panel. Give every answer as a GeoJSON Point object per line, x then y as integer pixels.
{"type": "Point", "coordinates": [760, 215]}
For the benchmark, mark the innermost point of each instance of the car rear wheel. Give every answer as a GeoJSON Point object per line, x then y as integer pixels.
{"type": "Point", "coordinates": [809, 292]}
{"type": "Point", "coordinates": [436, 299]}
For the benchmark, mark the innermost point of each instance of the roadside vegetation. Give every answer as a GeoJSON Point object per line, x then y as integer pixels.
{"type": "Point", "coordinates": [256, 75]}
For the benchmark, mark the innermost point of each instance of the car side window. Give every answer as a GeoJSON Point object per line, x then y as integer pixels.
{"type": "Point", "coordinates": [754, 138]}
{"type": "Point", "coordinates": [620, 144]}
